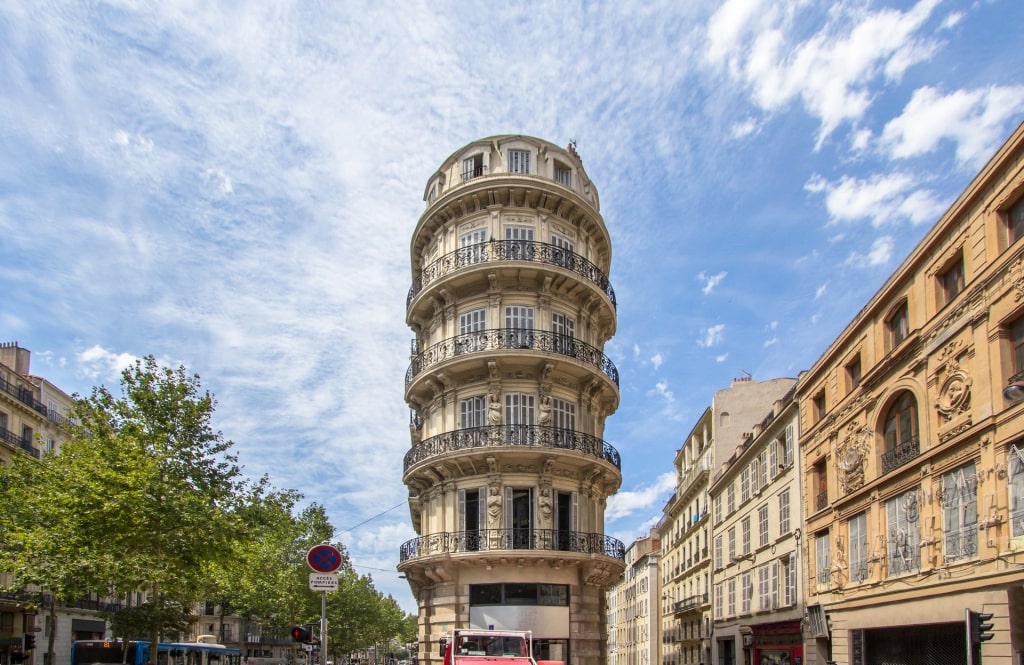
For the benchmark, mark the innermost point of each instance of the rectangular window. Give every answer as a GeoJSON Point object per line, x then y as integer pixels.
{"type": "Point", "coordinates": [789, 580]}
{"type": "Point", "coordinates": [762, 468]}
{"type": "Point", "coordinates": [718, 509]}
{"type": "Point", "coordinates": [853, 373]}
{"type": "Point", "coordinates": [519, 417]}
{"type": "Point", "coordinates": [745, 484]}
{"type": "Point", "coordinates": [563, 329]}
{"type": "Point", "coordinates": [471, 331]}
{"type": "Point", "coordinates": [473, 412]}
{"type": "Point", "coordinates": [818, 406]}
{"type": "Point", "coordinates": [857, 529]}
{"type": "Point", "coordinates": [518, 161]}
{"type": "Point", "coordinates": [904, 546]}
{"type": "Point", "coordinates": [822, 558]}
{"type": "Point", "coordinates": [731, 586]}
{"type": "Point", "coordinates": [732, 543]}
{"type": "Point", "coordinates": [1015, 222]}
{"type": "Point", "coordinates": [1017, 344]}
{"type": "Point", "coordinates": [718, 595]}
{"type": "Point", "coordinates": [898, 326]}
{"type": "Point", "coordinates": [820, 478]}
{"type": "Point", "coordinates": [1015, 462]}
{"type": "Point", "coordinates": [960, 513]}
{"type": "Point", "coordinates": [518, 327]}
{"type": "Point", "coordinates": [762, 525]}
{"type": "Point", "coordinates": [745, 535]}
{"type": "Point", "coordinates": [747, 591]}
{"type": "Point", "coordinates": [563, 414]}
{"type": "Point", "coordinates": [787, 449]}
{"type": "Point", "coordinates": [563, 174]}
{"type": "Point", "coordinates": [784, 513]}
{"type": "Point", "coordinates": [472, 248]}
{"type": "Point", "coordinates": [774, 468]}
{"type": "Point", "coordinates": [473, 167]}
{"type": "Point", "coordinates": [764, 599]}
{"type": "Point", "coordinates": [951, 281]}
{"type": "Point", "coordinates": [718, 551]}
{"type": "Point", "coordinates": [730, 495]}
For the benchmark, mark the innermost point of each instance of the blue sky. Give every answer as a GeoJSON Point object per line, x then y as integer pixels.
{"type": "Point", "coordinates": [232, 186]}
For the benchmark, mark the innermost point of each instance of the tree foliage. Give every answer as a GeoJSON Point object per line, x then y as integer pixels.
{"type": "Point", "coordinates": [146, 496]}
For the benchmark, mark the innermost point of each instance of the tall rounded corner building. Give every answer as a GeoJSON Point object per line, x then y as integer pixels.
{"type": "Point", "coordinates": [509, 388]}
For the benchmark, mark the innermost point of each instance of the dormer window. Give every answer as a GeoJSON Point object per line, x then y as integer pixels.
{"type": "Point", "coordinates": [518, 161]}
{"type": "Point", "coordinates": [563, 174]}
{"type": "Point", "coordinates": [473, 167]}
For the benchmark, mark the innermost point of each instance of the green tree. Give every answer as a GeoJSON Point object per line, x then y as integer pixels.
{"type": "Point", "coordinates": [145, 494]}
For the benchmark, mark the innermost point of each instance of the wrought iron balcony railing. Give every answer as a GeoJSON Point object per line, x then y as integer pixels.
{"type": "Point", "coordinates": [821, 500]}
{"type": "Point", "coordinates": [511, 435]}
{"type": "Point", "coordinates": [511, 250]}
{"type": "Point", "coordinates": [901, 454]}
{"type": "Point", "coordinates": [457, 542]}
{"type": "Point", "coordinates": [690, 603]}
{"type": "Point", "coordinates": [19, 442]}
{"type": "Point", "coordinates": [23, 395]}
{"type": "Point", "coordinates": [496, 339]}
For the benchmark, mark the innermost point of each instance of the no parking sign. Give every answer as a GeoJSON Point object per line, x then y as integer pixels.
{"type": "Point", "coordinates": [324, 558]}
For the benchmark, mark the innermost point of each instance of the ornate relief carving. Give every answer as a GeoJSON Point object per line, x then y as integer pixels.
{"type": "Point", "coordinates": [851, 456]}
{"type": "Point", "coordinates": [955, 393]}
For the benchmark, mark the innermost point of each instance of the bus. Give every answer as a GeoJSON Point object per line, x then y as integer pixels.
{"type": "Point", "coordinates": [116, 652]}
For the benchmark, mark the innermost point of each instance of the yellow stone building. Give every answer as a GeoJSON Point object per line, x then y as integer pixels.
{"type": "Point", "coordinates": [509, 387]}
{"type": "Point", "coordinates": [912, 455]}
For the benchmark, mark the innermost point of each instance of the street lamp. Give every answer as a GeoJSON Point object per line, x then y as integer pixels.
{"type": "Point", "coordinates": [1014, 391]}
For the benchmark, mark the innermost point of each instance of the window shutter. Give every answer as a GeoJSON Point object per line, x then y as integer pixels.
{"type": "Point", "coordinates": [508, 507]}
{"type": "Point", "coordinates": [574, 526]}
{"type": "Point", "coordinates": [481, 508]}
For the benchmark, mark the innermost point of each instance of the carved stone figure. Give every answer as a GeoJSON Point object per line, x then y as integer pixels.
{"type": "Point", "coordinates": [494, 409]}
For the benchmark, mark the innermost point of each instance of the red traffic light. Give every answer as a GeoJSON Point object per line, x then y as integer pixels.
{"type": "Point", "coordinates": [300, 634]}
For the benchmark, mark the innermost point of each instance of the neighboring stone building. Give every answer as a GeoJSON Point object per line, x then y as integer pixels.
{"type": "Point", "coordinates": [757, 545]}
{"type": "Point", "coordinates": [685, 528]}
{"type": "Point", "coordinates": [685, 533]}
{"type": "Point", "coordinates": [509, 388]}
{"type": "Point", "coordinates": [636, 623]}
{"type": "Point", "coordinates": [914, 474]}
{"type": "Point", "coordinates": [31, 412]}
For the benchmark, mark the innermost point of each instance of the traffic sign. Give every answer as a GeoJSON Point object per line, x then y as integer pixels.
{"type": "Point", "coordinates": [323, 581]}
{"type": "Point", "coordinates": [324, 558]}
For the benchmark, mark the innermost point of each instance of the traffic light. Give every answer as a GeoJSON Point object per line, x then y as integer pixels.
{"type": "Point", "coordinates": [301, 634]}
{"type": "Point", "coordinates": [979, 626]}
{"type": "Point", "coordinates": [28, 642]}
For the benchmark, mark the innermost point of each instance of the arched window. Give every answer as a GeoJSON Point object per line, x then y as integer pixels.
{"type": "Point", "coordinates": [900, 432]}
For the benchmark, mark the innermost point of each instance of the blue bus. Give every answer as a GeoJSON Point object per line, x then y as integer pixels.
{"type": "Point", "coordinates": [115, 652]}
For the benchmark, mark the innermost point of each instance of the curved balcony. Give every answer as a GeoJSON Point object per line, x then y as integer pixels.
{"type": "Point", "coordinates": [500, 339]}
{"type": "Point", "coordinates": [511, 250]}
{"type": "Point", "coordinates": [535, 436]}
{"type": "Point", "coordinates": [487, 540]}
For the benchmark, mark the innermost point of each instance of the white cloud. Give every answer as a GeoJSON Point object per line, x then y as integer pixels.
{"type": "Point", "coordinates": [973, 119]}
{"type": "Point", "coordinates": [745, 128]}
{"type": "Point", "coordinates": [952, 19]}
{"type": "Point", "coordinates": [831, 70]}
{"type": "Point", "coordinates": [879, 254]}
{"type": "Point", "coordinates": [821, 290]}
{"type": "Point", "coordinates": [771, 342]}
{"type": "Point", "coordinates": [881, 199]}
{"type": "Point", "coordinates": [710, 281]}
{"type": "Point", "coordinates": [626, 502]}
{"type": "Point", "coordinates": [657, 360]}
{"type": "Point", "coordinates": [722, 358]}
{"type": "Point", "coordinates": [661, 388]}
{"type": "Point", "coordinates": [97, 363]}
{"type": "Point", "coordinates": [712, 336]}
